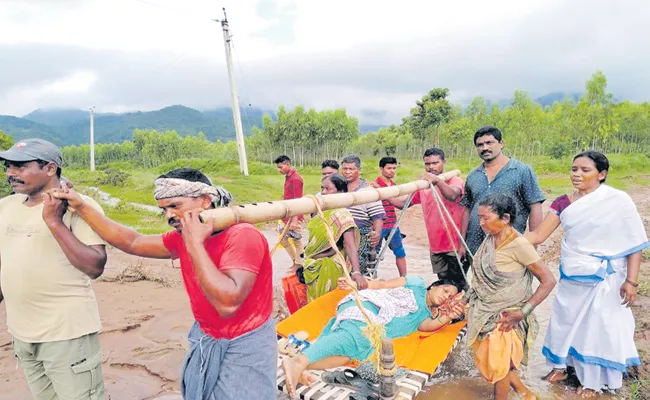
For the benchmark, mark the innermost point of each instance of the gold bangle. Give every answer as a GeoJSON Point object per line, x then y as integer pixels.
{"type": "Point", "coordinates": [636, 285]}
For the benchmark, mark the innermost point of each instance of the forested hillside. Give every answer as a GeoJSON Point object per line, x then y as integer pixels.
{"type": "Point", "coordinates": [72, 127]}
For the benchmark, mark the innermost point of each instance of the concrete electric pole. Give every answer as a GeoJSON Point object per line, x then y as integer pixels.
{"type": "Point", "coordinates": [234, 99]}
{"type": "Point", "coordinates": [92, 139]}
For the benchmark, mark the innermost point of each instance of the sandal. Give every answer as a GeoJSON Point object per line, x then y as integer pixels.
{"type": "Point", "coordinates": [368, 371]}
{"type": "Point", "coordinates": [349, 379]}
{"type": "Point", "coordinates": [552, 376]}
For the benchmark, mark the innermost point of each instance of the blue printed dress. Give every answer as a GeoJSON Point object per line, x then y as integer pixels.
{"type": "Point", "coordinates": [348, 339]}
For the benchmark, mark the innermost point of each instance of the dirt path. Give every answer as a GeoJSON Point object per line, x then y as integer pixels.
{"type": "Point", "coordinates": [146, 316]}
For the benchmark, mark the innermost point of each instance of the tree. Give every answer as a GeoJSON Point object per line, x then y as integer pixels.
{"type": "Point", "coordinates": [6, 141]}
{"type": "Point", "coordinates": [425, 118]}
{"type": "Point", "coordinates": [308, 136]}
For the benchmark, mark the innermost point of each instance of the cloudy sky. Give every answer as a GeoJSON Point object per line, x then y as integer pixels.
{"type": "Point", "coordinates": [374, 57]}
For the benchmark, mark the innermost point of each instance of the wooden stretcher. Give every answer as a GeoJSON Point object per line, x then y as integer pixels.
{"type": "Point", "coordinates": [421, 354]}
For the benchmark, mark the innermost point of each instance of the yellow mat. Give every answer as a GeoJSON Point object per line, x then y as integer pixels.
{"type": "Point", "coordinates": [418, 351]}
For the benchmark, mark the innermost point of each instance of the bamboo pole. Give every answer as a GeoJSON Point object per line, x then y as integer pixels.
{"type": "Point", "coordinates": [387, 386]}
{"type": "Point", "coordinates": [273, 210]}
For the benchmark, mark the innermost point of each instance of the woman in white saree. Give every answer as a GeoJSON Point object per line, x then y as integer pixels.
{"type": "Point", "coordinates": [591, 327]}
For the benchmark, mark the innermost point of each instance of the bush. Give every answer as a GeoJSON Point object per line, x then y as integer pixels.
{"type": "Point", "coordinates": [559, 150]}
{"type": "Point", "coordinates": [5, 188]}
{"type": "Point", "coordinates": [113, 177]}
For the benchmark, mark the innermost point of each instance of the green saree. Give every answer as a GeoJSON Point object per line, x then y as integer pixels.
{"type": "Point", "coordinates": [321, 274]}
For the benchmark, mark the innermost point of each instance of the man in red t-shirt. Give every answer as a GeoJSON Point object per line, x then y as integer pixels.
{"type": "Point", "coordinates": [442, 250]}
{"type": "Point", "coordinates": [292, 240]}
{"type": "Point", "coordinates": [388, 167]}
{"type": "Point", "coordinates": [228, 277]}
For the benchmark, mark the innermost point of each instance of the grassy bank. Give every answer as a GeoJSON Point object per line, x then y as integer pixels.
{"type": "Point", "coordinates": [265, 183]}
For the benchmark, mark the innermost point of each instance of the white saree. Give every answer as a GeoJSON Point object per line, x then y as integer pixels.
{"type": "Point", "coordinates": [589, 329]}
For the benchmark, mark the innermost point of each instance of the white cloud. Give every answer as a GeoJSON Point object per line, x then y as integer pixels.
{"type": "Point", "coordinates": [67, 88]}
{"type": "Point", "coordinates": [77, 82]}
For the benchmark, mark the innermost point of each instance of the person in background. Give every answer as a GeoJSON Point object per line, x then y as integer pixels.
{"type": "Point", "coordinates": [444, 243]}
{"type": "Point", "coordinates": [387, 169]}
{"type": "Point", "coordinates": [592, 327]}
{"type": "Point", "coordinates": [368, 217]}
{"type": "Point", "coordinates": [48, 257]}
{"type": "Point", "coordinates": [293, 189]}
{"type": "Point", "coordinates": [501, 325]}
{"type": "Point", "coordinates": [499, 174]}
{"type": "Point", "coordinates": [328, 167]}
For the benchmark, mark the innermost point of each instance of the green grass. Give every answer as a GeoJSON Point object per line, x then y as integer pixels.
{"type": "Point", "coordinates": [644, 287]}
{"type": "Point", "coordinates": [265, 183]}
{"type": "Point", "coordinates": [142, 221]}
{"type": "Point", "coordinates": [639, 389]}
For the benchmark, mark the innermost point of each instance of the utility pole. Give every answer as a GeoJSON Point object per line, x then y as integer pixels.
{"type": "Point", "coordinates": [92, 139]}
{"type": "Point", "coordinates": [234, 98]}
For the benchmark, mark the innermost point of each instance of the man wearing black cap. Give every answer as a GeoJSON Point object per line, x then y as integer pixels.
{"type": "Point", "coordinates": [47, 259]}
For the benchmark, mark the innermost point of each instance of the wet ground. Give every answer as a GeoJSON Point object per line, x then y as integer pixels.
{"type": "Point", "coordinates": [145, 322]}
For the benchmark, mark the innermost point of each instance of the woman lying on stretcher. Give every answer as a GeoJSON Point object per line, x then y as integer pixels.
{"type": "Point", "coordinates": [403, 306]}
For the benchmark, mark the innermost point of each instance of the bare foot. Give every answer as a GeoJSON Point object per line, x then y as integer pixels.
{"type": "Point", "coordinates": [529, 396]}
{"type": "Point", "coordinates": [292, 373]}
{"type": "Point", "coordinates": [586, 393]}
{"type": "Point", "coordinates": [307, 379]}
{"type": "Point", "coordinates": [556, 375]}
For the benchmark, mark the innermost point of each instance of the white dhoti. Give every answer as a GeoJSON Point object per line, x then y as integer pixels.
{"type": "Point", "coordinates": [589, 329]}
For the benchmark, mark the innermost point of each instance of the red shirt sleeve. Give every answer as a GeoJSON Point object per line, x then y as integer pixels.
{"type": "Point", "coordinates": [457, 183]}
{"type": "Point", "coordinates": [560, 204]}
{"type": "Point", "coordinates": [172, 240]}
{"type": "Point", "coordinates": [245, 249]}
{"type": "Point", "coordinates": [416, 198]}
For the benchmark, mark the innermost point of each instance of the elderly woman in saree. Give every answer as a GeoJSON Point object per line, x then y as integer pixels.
{"type": "Point", "coordinates": [591, 327]}
{"type": "Point", "coordinates": [322, 267]}
{"type": "Point", "coordinates": [403, 305]}
{"type": "Point", "coordinates": [501, 322]}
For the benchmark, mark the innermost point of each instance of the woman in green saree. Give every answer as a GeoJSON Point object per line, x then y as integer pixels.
{"type": "Point", "coordinates": [322, 268]}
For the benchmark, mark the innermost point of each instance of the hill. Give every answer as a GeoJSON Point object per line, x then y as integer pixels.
{"type": "Point", "coordinates": [549, 99]}
{"type": "Point", "coordinates": [20, 128]}
{"type": "Point", "coordinates": [57, 117]}
{"type": "Point", "coordinates": [546, 100]}
{"type": "Point", "coordinates": [71, 126]}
